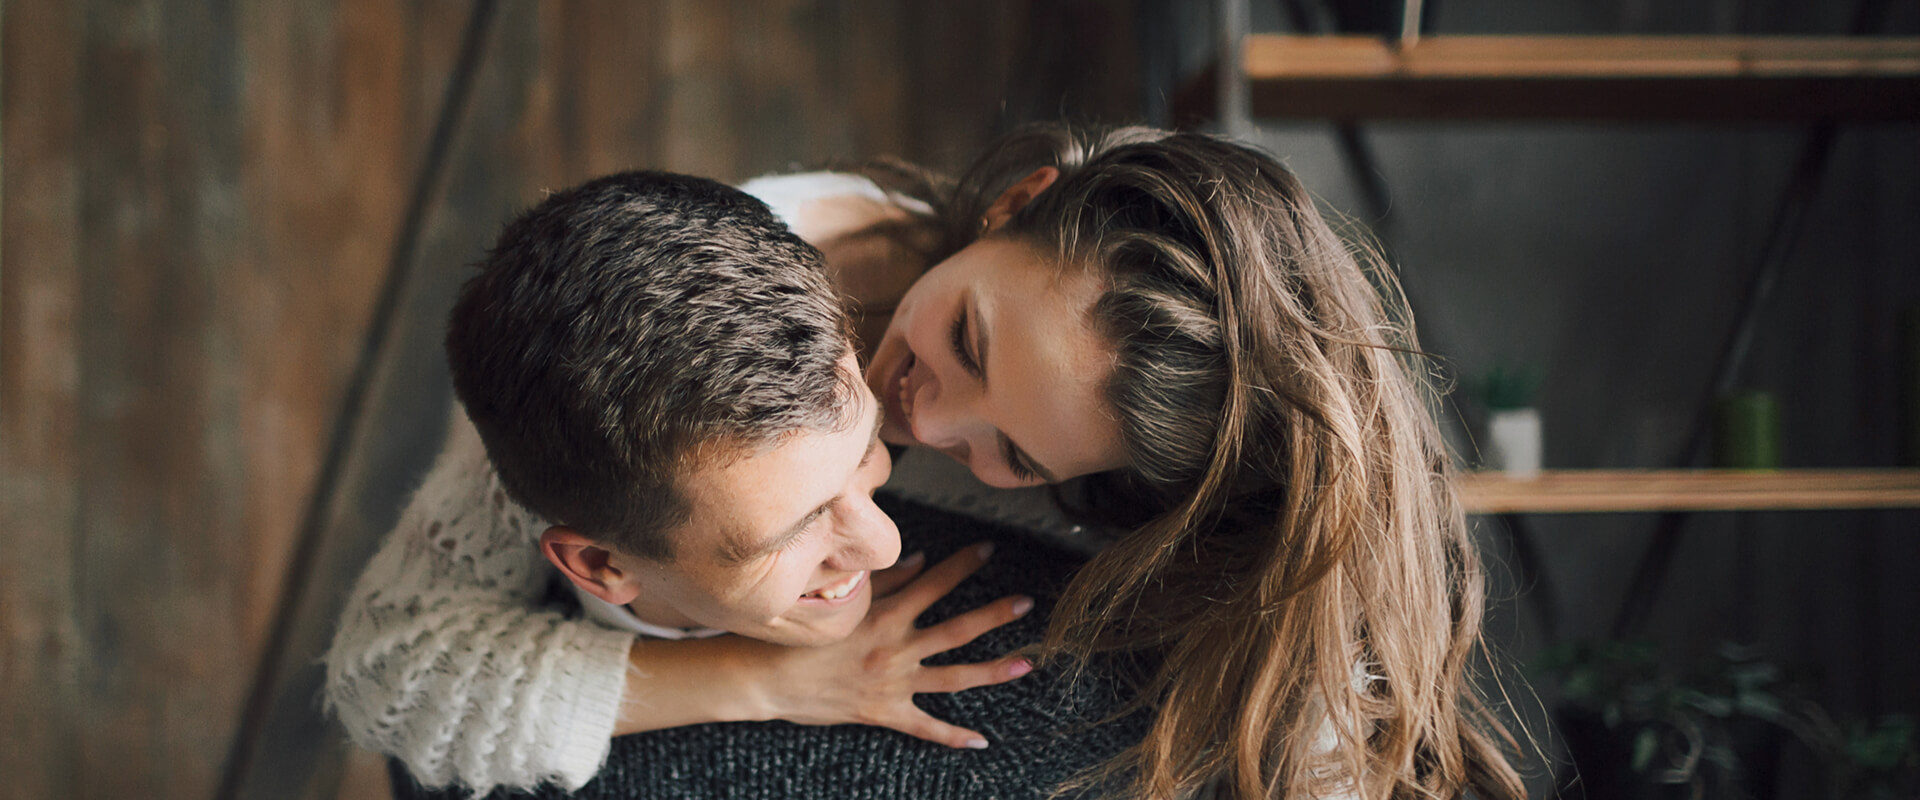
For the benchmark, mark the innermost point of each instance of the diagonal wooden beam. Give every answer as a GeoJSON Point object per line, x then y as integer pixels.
{"type": "Point", "coordinates": [270, 697]}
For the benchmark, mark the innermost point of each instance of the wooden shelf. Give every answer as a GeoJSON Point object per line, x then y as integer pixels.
{"type": "Point", "coordinates": [1680, 78]}
{"type": "Point", "coordinates": [1588, 491]}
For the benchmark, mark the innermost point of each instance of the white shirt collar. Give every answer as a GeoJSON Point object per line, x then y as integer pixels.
{"type": "Point", "coordinates": [619, 617]}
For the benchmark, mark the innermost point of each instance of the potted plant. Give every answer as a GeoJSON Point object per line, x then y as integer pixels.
{"type": "Point", "coordinates": [1637, 729]}
{"type": "Point", "coordinates": [1878, 760]}
{"type": "Point", "coordinates": [1514, 440]}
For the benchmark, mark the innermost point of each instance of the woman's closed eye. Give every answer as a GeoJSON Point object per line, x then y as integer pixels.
{"type": "Point", "coordinates": [959, 339]}
{"type": "Point", "coordinates": [1017, 462]}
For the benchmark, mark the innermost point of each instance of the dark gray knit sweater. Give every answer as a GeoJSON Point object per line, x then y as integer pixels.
{"type": "Point", "coordinates": [1044, 728]}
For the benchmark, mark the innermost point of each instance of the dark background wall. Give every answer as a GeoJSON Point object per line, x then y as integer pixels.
{"type": "Point", "coordinates": [201, 203]}
{"type": "Point", "coordinates": [1612, 259]}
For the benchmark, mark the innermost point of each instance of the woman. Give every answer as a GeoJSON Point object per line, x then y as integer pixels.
{"type": "Point", "coordinates": [1230, 368]}
{"type": "Point", "coordinates": [1298, 556]}
{"type": "Point", "coordinates": [1167, 318]}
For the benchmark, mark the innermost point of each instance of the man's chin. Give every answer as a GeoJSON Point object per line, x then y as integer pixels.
{"type": "Point", "coordinates": [813, 630]}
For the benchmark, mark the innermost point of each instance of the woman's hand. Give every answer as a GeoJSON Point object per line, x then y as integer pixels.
{"type": "Point", "coordinates": [870, 677]}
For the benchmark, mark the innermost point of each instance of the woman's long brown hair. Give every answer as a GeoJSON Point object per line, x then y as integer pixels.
{"type": "Point", "coordinates": [1301, 567]}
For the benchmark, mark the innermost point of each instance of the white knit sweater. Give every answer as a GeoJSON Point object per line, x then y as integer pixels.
{"type": "Point", "coordinates": [444, 657]}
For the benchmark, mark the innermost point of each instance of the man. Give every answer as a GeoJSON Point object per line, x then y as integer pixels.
{"type": "Point", "coordinates": [1048, 728]}
{"type": "Point", "coordinates": [674, 423]}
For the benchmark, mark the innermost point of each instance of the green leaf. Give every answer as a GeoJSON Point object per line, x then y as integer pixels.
{"type": "Point", "coordinates": [1884, 746]}
{"type": "Point", "coordinates": [1509, 387]}
{"type": "Point", "coordinates": [1707, 704]}
{"type": "Point", "coordinates": [1580, 685]}
{"type": "Point", "coordinates": [1721, 754]}
{"type": "Point", "coordinates": [1752, 675]}
{"type": "Point", "coordinates": [1645, 744]}
{"type": "Point", "coordinates": [1762, 705]}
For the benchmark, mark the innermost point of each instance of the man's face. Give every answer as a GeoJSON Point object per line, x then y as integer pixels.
{"type": "Point", "coordinates": [780, 544]}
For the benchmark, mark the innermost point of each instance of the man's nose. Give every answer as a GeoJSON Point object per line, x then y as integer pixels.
{"type": "Point", "coordinates": [871, 542]}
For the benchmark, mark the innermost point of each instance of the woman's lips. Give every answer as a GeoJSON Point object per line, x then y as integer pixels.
{"type": "Point", "coordinates": [897, 401]}
{"type": "Point", "coordinates": [905, 389]}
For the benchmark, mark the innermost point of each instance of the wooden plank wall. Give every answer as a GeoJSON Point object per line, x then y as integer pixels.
{"type": "Point", "coordinates": [198, 203]}
{"type": "Point", "coordinates": [189, 248]}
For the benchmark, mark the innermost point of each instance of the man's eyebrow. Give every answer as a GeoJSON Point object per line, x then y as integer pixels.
{"type": "Point", "coordinates": [735, 551]}
{"type": "Point", "coordinates": [873, 438]}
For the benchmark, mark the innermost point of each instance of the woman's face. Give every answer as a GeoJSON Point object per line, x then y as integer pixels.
{"type": "Point", "coordinates": [990, 359]}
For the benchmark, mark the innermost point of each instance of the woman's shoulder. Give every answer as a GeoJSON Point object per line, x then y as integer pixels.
{"type": "Point", "coordinates": [876, 243]}
{"type": "Point", "coordinates": [791, 194]}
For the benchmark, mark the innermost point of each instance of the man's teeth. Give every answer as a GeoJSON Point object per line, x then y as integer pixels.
{"type": "Point", "coordinates": [836, 592]}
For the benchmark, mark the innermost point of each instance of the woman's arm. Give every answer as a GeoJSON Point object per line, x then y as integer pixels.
{"type": "Point", "coordinates": [445, 657]}
{"type": "Point", "coordinates": [875, 246]}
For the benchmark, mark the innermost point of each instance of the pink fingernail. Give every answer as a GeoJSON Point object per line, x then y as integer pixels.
{"type": "Point", "coordinates": [985, 550]}
{"type": "Point", "coordinates": [1020, 668]}
{"type": "Point", "coordinates": [1022, 606]}
{"type": "Point", "coordinates": [913, 560]}
{"type": "Point", "coordinates": [977, 744]}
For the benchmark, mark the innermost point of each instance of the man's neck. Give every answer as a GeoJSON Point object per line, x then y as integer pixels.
{"type": "Point", "coordinates": [660, 615]}
{"type": "Point", "coordinates": [624, 618]}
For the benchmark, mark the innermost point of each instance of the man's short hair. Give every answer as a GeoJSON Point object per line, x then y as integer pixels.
{"type": "Point", "coordinates": [635, 327]}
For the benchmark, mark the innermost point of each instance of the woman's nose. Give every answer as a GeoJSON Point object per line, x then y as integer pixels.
{"type": "Point", "coordinates": [942, 418]}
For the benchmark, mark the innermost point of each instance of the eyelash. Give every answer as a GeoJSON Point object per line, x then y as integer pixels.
{"type": "Point", "coordinates": [1019, 468]}
{"type": "Point", "coordinates": [958, 335]}
{"type": "Point", "coordinates": [958, 338]}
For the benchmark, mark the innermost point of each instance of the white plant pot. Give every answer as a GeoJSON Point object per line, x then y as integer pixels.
{"type": "Point", "coordinates": [1513, 442]}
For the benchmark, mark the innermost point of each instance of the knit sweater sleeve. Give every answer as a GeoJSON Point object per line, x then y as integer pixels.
{"type": "Point", "coordinates": [445, 658]}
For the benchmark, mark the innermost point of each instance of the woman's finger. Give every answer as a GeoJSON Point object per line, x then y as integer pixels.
{"type": "Point", "coordinates": [967, 627]}
{"type": "Point", "coordinates": [917, 723]}
{"type": "Point", "coordinates": [940, 579]}
{"type": "Point", "coordinates": [961, 677]}
{"type": "Point", "coordinates": [889, 580]}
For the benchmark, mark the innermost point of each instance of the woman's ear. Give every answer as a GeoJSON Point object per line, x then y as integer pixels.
{"type": "Point", "coordinates": [1018, 196]}
{"type": "Point", "coordinates": [589, 565]}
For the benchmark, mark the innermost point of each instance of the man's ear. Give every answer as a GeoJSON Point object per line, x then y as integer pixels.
{"type": "Point", "coordinates": [1018, 196]}
{"type": "Point", "coordinates": [589, 565]}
